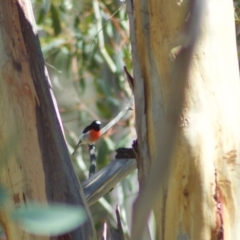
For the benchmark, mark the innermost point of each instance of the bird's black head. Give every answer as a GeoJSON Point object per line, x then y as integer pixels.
{"type": "Point", "coordinates": [96, 125]}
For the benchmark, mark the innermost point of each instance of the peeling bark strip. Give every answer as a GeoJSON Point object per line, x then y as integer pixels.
{"type": "Point", "coordinates": [38, 166]}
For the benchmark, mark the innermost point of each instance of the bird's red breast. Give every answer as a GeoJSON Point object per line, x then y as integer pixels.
{"type": "Point", "coordinates": [94, 135]}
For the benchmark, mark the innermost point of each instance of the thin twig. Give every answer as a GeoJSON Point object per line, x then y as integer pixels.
{"type": "Point", "coordinates": [119, 222]}
{"type": "Point", "coordinates": [101, 43]}
{"type": "Point", "coordinates": [100, 30]}
{"type": "Point", "coordinates": [119, 116]}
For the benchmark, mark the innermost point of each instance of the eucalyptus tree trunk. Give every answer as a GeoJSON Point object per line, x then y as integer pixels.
{"type": "Point", "coordinates": [187, 94]}
{"type": "Point", "coordinates": [34, 161]}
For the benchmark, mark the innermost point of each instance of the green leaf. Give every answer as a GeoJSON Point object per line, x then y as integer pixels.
{"type": "Point", "coordinates": [41, 16]}
{"type": "Point", "coordinates": [45, 7]}
{"type": "Point", "coordinates": [76, 23]}
{"type": "Point", "coordinates": [54, 44]}
{"type": "Point", "coordinates": [53, 219]}
{"type": "Point", "coordinates": [62, 59]}
{"type": "Point", "coordinates": [56, 23]}
{"type": "Point", "coordinates": [105, 110]}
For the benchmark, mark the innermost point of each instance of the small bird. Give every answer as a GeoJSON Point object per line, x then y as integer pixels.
{"type": "Point", "coordinates": [89, 135]}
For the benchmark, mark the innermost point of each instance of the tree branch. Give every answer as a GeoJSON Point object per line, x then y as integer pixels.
{"type": "Point", "coordinates": [104, 180]}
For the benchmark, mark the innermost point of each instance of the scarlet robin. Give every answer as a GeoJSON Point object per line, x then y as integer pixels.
{"type": "Point", "coordinates": [90, 134]}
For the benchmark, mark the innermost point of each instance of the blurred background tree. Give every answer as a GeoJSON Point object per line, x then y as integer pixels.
{"type": "Point", "coordinates": [86, 45]}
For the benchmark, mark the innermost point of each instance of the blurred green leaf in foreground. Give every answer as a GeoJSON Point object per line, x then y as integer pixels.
{"type": "Point", "coordinates": [53, 219]}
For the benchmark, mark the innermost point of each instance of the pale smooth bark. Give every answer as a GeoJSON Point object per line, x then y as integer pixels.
{"type": "Point", "coordinates": [34, 162]}
{"type": "Point", "coordinates": [194, 191]}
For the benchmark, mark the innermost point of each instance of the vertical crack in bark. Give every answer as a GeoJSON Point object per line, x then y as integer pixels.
{"type": "Point", "coordinates": [219, 231]}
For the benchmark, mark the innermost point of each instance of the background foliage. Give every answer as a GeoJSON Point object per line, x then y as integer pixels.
{"type": "Point", "coordinates": [86, 45]}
